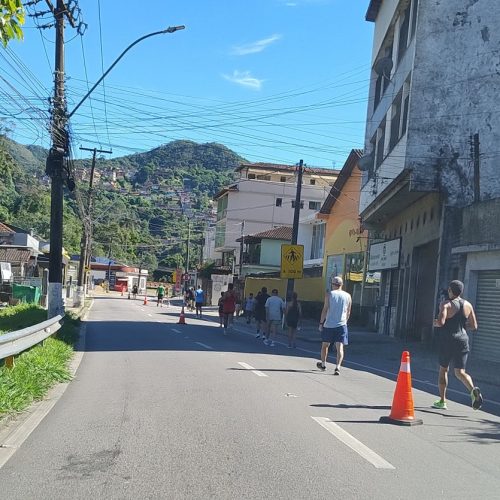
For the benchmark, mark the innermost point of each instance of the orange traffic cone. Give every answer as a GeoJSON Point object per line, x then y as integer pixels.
{"type": "Point", "coordinates": [145, 299]}
{"type": "Point", "coordinates": [182, 317]}
{"type": "Point", "coordinates": [402, 411]}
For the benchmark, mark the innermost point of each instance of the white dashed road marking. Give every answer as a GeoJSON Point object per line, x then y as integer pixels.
{"type": "Point", "coordinates": [362, 450]}
{"type": "Point", "coordinates": [175, 330]}
{"type": "Point", "coordinates": [248, 367]}
{"type": "Point", "coordinates": [204, 345]}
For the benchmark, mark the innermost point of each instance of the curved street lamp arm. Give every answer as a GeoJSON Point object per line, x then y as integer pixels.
{"type": "Point", "coordinates": [170, 29]}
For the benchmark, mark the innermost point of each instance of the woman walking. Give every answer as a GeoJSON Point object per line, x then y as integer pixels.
{"type": "Point", "coordinates": [293, 315]}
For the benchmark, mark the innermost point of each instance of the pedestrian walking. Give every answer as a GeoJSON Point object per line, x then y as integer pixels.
{"type": "Point", "coordinates": [333, 323]}
{"type": "Point", "coordinates": [238, 308]}
{"type": "Point", "coordinates": [456, 315]}
{"type": "Point", "coordinates": [134, 292]}
{"type": "Point", "coordinates": [160, 293]}
{"type": "Point", "coordinates": [249, 307]}
{"type": "Point", "coordinates": [220, 304]}
{"type": "Point", "coordinates": [293, 315]}
{"type": "Point", "coordinates": [228, 307]}
{"type": "Point", "coordinates": [274, 315]}
{"type": "Point", "coordinates": [260, 312]}
{"type": "Point", "coordinates": [199, 298]}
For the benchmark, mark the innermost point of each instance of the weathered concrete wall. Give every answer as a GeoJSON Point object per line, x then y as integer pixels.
{"type": "Point", "coordinates": [455, 90]}
{"type": "Point", "coordinates": [481, 223]}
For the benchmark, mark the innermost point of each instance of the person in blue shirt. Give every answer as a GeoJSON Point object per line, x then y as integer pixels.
{"type": "Point", "coordinates": [199, 298]}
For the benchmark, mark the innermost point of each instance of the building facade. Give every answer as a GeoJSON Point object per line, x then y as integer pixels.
{"type": "Point", "coordinates": [264, 198]}
{"type": "Point", "coordinates": [431, 160]}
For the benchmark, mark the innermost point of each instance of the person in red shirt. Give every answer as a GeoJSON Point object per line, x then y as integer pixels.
{"type": "Point", "coordinates": [229, 306]}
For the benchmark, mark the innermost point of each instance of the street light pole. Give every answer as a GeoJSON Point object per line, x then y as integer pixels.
{"type": "Point", "coordinates": [60, 148]}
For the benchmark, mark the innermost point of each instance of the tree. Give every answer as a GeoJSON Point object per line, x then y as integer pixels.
{"type": "Point", "coordinates": [11, 20]}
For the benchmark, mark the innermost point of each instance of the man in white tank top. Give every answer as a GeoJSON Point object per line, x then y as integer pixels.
{"type": "Point", "coordinates": [333, 323]}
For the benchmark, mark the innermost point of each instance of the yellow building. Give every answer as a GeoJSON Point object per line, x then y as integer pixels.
{"type": "Point", "coordinates": [345, 243]}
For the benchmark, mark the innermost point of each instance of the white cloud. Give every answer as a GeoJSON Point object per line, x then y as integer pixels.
{"type": "Point", "coordinates": [254, 47]}
{"type": "Point", "coordinates": [245, 79]}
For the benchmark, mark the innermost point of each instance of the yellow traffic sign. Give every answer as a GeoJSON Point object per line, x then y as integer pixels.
{"type": "Point", "coordinates": [292, 261]}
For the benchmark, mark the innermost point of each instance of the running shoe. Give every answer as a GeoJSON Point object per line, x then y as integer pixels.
{"type": "Point", "coordinates": [320, 365]}
{"type": "Point", "coordinates": [266, 342]}
{"type": "Point", "coordinates": [257, 336]}
{"type": "Point", "coordinates": [477, 398]}
{"type": "Point", "coordinates": [336, 372]}
{"type": "Point", "coordinates": [440, 405]}
{"type": "Point", "coordinates": [272, 344]}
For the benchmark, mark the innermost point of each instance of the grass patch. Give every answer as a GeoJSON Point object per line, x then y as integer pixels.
{"type": "Point", "coordinates": [37, 370]}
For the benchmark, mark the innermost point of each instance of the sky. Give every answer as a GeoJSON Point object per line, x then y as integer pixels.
{"type": "Point", "coordinates": [274, 80]}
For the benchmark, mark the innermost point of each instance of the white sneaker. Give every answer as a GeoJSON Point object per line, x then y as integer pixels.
{"type": "Point", "coordinates": [272, 344]}
{"type": "Point", "coordinates": [266, 342]}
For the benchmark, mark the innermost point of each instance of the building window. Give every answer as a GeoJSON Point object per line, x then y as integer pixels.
{"type": "Point", "coordinates": [312, 182]}
{"type": "Point", "coordinates": [314, 205]}
{"type": "Point", "coordinates": [251, 176]}
{"type": "Point", "coordinates": [380, 141]}
{"type": "Point", "coordinates": [406, 105]}
{"type": "Point", "coordinates": [282, 178]}
{"type": "Point", "coordinates": [301, 204]}
{"type": "Point", "coordinates": [279, 202]}
{"type": "Point", "coordinates": [413, 18]}
{"type": "Point", "coordinates": [318, 238]}
{"type": "Point", "coordinates": [403, 32]}
{"type": "Point", "coordinates": [395, 121]}
{"type": "Point", "coordinates": [264, 177]}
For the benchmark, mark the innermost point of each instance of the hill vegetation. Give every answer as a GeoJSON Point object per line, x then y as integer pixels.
{"type": "Point", "coordinates": [143, 203]}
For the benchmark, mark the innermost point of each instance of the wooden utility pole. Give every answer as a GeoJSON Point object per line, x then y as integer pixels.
{"type": "Point", "coordinates": [295, 227]}
{"type": "Point", "coordinates": [85, 244]}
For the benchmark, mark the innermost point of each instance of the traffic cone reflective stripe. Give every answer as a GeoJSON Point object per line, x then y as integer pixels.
{"type": "Point", "coordinates": [402, 410]}
{"type": "Point", "coordinates": [145, 300]}
{"type": "Point", "coordinates": [182, 317]}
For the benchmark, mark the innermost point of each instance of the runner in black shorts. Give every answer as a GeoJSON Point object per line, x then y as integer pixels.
{"type": "Point", "coordinates": [455, 315]}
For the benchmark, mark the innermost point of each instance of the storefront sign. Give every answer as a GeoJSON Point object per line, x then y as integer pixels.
{"type": "Point", "coordinates": [292, 261]}
{"type": "Point", "coordinates": [384, 255]}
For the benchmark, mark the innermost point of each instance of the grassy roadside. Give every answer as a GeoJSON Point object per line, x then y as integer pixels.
{"type": "Point", "coordinates": [39, 368]}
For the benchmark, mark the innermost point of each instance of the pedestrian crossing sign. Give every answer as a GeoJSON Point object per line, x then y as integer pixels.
{"type": "Point", "coordinates": [292, 261]}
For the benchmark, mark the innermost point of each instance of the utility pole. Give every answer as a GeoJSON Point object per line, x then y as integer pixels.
{"type": "Point", "coordinates": [477, 184]}
{"type": "Point", "coordinates": [55, 163]}
{"type": "Point", "coordinates": [242, 242]}
{"type": "Point", "coordinates": [85, 244]}
{"type": "Point", "coordinates": [295, 228]}
{"type": "Point", "coordinates": [187, 247]}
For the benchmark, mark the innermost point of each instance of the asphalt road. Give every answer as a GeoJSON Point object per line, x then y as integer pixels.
{"type": "Point", "coordinates": [167, 411]}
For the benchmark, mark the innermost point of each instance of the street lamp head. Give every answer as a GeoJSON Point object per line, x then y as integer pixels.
{"type": "Point", "coordinates": [172, 29]}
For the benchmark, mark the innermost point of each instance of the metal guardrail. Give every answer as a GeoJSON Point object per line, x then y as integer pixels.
{"type": "Point", "coordinates": [16, 342]}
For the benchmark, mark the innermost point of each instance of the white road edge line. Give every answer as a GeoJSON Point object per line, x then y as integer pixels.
{"type": "Point", "coordinates": [248, 367]}
{"type": "Point", "coordinates": [204, 345]}
{"type": "Point", "coordinates": [362, 450]}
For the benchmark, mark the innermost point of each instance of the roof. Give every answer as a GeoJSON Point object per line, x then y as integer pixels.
{"type": "Point", "coordinates": [373, 8]}
{"type": "Point", "coordinates": [12, 255]}
{"type": "Point", "coordinates": [278, 233]}
{"type": "Point", "coordinates": [5, 229]}
{"type": "Point", "coordinates": [287, 168]}
{"type": "Point", "coordinates": [345, 173]}
{"type": "Point", "coordinates": [225, 190]}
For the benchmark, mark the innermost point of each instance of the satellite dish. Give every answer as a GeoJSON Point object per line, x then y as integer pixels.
{"type": "Point", "coordinates": [384, 66]}
{"type": "Point", "coordinates": [365, 162]}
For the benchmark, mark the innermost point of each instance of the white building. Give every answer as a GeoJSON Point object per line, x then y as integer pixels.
{"type": "Point", "coordinates": [264, 198]}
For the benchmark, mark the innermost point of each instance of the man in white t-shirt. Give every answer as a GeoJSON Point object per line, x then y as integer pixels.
{"type": "Point", "coordinates": [274, 314]}
{"type": "Point", "coordinates": [333, 323]}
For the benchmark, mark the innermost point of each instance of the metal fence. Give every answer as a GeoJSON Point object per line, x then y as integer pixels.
{"type": "Point", "coordinates": [14, 343]}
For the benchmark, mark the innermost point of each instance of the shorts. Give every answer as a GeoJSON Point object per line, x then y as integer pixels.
{"type": "Point", "coordinates": [274, 322]}
{"type": "Point", "coordinates": [337, 334]}
{"type": "Point", "coordinates": [292, 323]}
{"type": "Point", "coordinates": [454, 350]}
{"type": "Point", "coordinates": [260, 315]}
{"type": "Point", "coordinates": [198, 304]}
